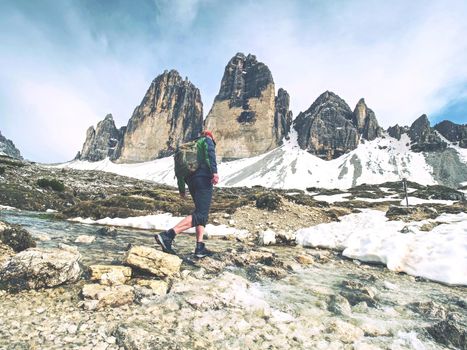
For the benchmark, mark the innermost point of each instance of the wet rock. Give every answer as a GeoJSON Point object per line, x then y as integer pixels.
{"type": "Point", "coordinates": [305, 259]}
{"type": "Point", "coordinates": [16, 237]}
{"type": "Point", "coordinates": [107, 231]}
{"type": "Point", "coordinates": [429, 309]}
{"type": "Point", "coordinates": [41, 267]}
{"type": "Point", "coordinates": [85, 239]}
{"type": "Point", "coordinates": [210, 265]}
{"type": "Point", "coordinates": [267, 237]}
{"type": "Point", "coordinates": [157, 287]}
{"type": "Point", "coordinates": [356, 292]}
{"type": "Point", "coordinates": [97, 296]}
{"type": "Point", "coordinates": [110, 274]}
{"type": "Point", "coordinates": [153, 261]}
{"type": "Point", "coordinates": [144, 337]}
{"type": "Point", "coordinates": [450, 333]}
{"type": "Point", "coordinates": [269, 201]}
{"type": "Point", "coordinates": [271, 271]}
{"type": "Point", "coordinates": [339, 305]}
{"type": "Point", "coordinates": [346, 332]}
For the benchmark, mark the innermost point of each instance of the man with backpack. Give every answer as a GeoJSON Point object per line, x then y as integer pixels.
{"type": "Point", "coordinates": [199, 172]}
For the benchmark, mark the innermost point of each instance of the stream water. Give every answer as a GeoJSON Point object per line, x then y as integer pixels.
{"type": "Point", "coordinates": [301, 298]}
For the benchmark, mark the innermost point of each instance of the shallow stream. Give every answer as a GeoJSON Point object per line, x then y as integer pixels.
{"type": "Point", "coordinates": [301, 300]}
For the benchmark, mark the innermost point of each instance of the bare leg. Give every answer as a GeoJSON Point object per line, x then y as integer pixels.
{"type": "Point", "coordinates": [183, 225]}
{"type": "Point", "coordinates": [199, 233]}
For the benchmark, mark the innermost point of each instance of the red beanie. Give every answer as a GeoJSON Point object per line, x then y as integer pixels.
{"type": "Point", "coordinates": [208, 133]}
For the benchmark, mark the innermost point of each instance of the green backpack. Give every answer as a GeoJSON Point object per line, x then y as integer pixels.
{"type": "Point", "coordinates": [186, 159]}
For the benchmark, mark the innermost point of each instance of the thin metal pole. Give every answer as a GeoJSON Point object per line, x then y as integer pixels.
{"type": "Point", "coordinates": [404, 182]}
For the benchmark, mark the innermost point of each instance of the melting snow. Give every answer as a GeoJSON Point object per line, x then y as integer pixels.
{"type": "Point", "coordinates": [439, 255]}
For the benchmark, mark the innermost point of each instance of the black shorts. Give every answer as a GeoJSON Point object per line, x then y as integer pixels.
{"type": "Point", "coordinates": [200, 188]}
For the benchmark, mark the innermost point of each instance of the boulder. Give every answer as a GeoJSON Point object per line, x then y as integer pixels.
{"type": "Point", "coordinates": [107, 231]}
{"type": "Point", "coordinates": [85, 239]}
{"type": "Point", "coordinates": [97, 296]}
{"type": "Point", "coordinates": [326, 129]}
{"type": "Point", "coordinates": [16, 237]}
{"type": "Point", "coordinates": [153, 261]}
{"type": "Point", "coordinates": [345, 332]}
{"type": "Point", "coordinates": [356, 292]}
{"type": "Point", "coordinates": [110, 274]}
{"type": "Point", "coordinates": [339, 305]}
{"type": "Point", "coordinates": [170, 113]}
{"type": "Point", "coordinates": [41, 268]}
{"type": "Point", "coordinates": [247, 119]}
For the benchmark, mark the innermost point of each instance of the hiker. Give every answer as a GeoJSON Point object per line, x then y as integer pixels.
{"type": "Point", "coordinates": [200, 184]}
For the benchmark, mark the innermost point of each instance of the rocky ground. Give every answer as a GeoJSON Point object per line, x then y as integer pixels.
{"type": "Point", "coordinates": [60, 292]}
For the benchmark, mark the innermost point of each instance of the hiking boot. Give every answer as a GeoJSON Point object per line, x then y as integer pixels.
{"type": "Point", "coordinates": [165, 239]}
{"type": "Point", "coordinates": [201, 251]}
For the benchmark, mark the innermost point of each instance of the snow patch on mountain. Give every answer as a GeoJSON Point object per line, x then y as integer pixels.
{"type": "Point", "coordinates": [288, 166]}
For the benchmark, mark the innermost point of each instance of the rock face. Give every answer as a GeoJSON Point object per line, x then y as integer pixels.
{"type": "Point", "coordinates": [170, 113]}
{"type": "Point", "coordinates": [453, 132]}
{"type": "Point", "coordinates": [7, 148]}
{"type": "Point", "coordinates": [40, 268]}
{"type": "Point", "coordinates": [102, 142]}
{"type": "Point", "coordinates": [326, 128]}
{"type": "Point", "coordinates": [153, 261]}
{"type": "Point", "coordinates": [282, 116]}
{"type": "Point", "coordinates": [423, 137]}
{"type": "Point", "coordinates": [396, 131]}
{"type": "Point", "coordinates": [246, 117]}
{"type": "Point", "coordinates": [365, 121]}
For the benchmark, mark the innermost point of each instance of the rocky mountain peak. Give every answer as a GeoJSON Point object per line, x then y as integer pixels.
{"type": "Point", "coordinates": [326, 129]}
{"type": "Point", "coordinates": [365, 121]}
{"type": "Point", "coordinates": [246, 116]}
{"type": "Point", "coordinates": [453, 132]}
{"type": "Point", "coordinates": [8, 148]}
{"type": "Point", "coordinates": [423, 137]}
{"type": "Point", "coordinates": [102, 142]}
{"type": "Point", "coordinates": [170, 113]}
{"type": "Point", "coordinates": [244, 78]}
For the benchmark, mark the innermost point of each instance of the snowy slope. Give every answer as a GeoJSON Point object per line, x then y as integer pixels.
{"type": "Point", "coordinates": [288, 166]}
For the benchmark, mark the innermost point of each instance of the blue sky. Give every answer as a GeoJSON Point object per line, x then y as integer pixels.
{"type": "Point", "coordinates": [66, 64]}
